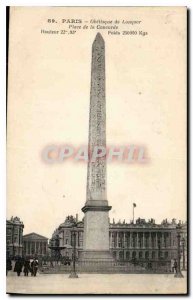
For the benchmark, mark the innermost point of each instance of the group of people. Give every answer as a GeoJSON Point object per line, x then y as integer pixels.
{"type": "Point", "coordinates": [23, 265]}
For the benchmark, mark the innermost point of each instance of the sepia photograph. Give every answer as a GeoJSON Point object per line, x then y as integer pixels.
{"type": "Point", "coordinates": [97, 150]}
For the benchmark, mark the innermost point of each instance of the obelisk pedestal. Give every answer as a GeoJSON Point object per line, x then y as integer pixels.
{"type": "Point", "coordinates": [96, 220]}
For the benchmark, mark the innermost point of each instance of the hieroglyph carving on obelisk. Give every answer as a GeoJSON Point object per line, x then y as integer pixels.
{"type": "Point", "coordinates": [96, 176]}
{"type": "Point", "coordinates": [96, 209]}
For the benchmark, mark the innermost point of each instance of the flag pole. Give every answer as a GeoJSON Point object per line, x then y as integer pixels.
{"type": "Point", "coordinates": [134, 205]}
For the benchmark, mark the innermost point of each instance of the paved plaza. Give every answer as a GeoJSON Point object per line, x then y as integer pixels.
{"type": "Point", "coordinates": [97, 284]}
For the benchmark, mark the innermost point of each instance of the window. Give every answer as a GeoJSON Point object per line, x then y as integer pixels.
{"type": "Point", "coordinates": [146, 240]}
{"type": "Point", "coordinates": [16, 230]}
{"type": "Point", "coordinates": [127, 255]}
{"type": "Point", "coordinates": [165, 239]}
{"type": "Point", "coordinates": [113, 241]}
{"type": "Point", "coordinates": [121, 255]}
{"type": "Point", "coordinates": [140, 240]}
{"type": "Point", "coordinates": [9, 231]}
{"type": "Point", "coordinates": [127, 240]}
{"type": "Point", "coordinates": [134, 240]}
{"type": "Point", "coordinates": [120, 243]}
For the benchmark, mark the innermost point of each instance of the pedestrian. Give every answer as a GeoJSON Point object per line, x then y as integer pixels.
{"type": "Point", "coordinates": [175, 266]}
{"type": "Point", "coordinates": [8, 265]}
{"type": "Point", "coordinates": [18, 266]}
{"type": "Point", "coordinates": [34, 267]}
{"type": "Point", "coordinates": [26, 267]}
{"type": "Point", "coordinates": [172, 265]}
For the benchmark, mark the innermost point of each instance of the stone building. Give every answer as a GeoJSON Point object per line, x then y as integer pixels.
{"type": "Point", "coordinates": [144, 242]}
{"type": "Point", "coordinates": [65, 233]}
{"type": "Point", "coordinates": [35, 245]}
{"type": "Point", "coordinates": [150, 245]}
{"type": "Point", "coordinates": [14, 237]}
{"type": "Point", "coordinates": [184, 245]}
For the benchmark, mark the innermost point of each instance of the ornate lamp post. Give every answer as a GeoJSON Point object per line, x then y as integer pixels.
{"type": "Point", "coordinates": [183, 254]}
{"type": "Point", "coordinates": [178, 272]}
{"type": "Point", "coordinates": [73, 273]}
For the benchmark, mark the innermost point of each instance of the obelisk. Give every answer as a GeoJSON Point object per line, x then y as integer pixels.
{"type": "Point", "coordinates": [96, 220]}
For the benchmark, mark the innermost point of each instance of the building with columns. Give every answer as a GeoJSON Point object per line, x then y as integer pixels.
{"type": "Point", "coordinates": [35, 245]}
{"type": "Point", "coordinates": [146, 243]}
{"type": "Point", "coordinates": [14, 237]}
{"type": "Point", "coordinates": [150, 245]}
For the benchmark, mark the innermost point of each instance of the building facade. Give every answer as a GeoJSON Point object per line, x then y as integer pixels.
{"type": "Point", "coordinates": [150, 245]}
{"type": "Point", "coordinates": [14, 237]}
{"type": "Point", "coordinates": [65, 234]}
{"type": "Point", "coordinates": [35, 245]}
{"type": "Point", "coordinates": [146, 243]}
{"type": "Point", "coordinates": [184, 247]}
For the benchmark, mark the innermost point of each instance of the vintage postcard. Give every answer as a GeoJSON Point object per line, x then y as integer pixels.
{"type": "Point", "coordinates": [96, 150]}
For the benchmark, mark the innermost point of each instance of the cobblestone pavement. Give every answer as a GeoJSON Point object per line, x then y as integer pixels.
{"type": "Point", "coordinates": [97, 284]}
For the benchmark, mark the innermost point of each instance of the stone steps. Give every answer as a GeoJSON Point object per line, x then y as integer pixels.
{"type": "Point", "coordinates": [95, 268]}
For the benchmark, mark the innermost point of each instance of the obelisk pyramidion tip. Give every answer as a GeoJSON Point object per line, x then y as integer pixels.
{"type": "Point", "coordinates": [99, 39]}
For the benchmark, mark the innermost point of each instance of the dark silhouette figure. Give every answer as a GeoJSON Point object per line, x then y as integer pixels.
{"type": "Point", "coordinates": [175, 266]}
{"type": "Point", "coordinates": [34, 267]}
{"type": "Point", "coordinates": [8, 265]}
{"type": "Point", "coordinates": [18, 266]}
{"type": "Point", "coordinates": [27, 268]}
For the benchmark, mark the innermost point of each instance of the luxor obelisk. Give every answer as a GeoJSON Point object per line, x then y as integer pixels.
{"type": "Point", "coordinates": [96, 220]}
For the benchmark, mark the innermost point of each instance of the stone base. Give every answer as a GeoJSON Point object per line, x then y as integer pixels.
{"type": "Point", "coordinates": [96, 231]}
{"type": "Point", "coordinates": [95, 256]}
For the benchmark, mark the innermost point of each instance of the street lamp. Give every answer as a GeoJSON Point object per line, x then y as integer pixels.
{"type": "Point", "coordinates": [178, 271]}
{"type": "Point", "coordinates": [73, 273]}
{"type": "Point", "coordinates": [183, 253]}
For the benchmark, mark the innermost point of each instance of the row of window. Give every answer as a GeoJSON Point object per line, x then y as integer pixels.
{"type": "Point", "coordinates": [140, 245]}
{"type": "Point", "coordinates": [147, 243]}
{"type": "Point", "coordinates": [15, 240]}
{"type": "Point", "coordinates": [133, 254]}
{"type": "Point", "coordinates": [147, 234]}
{"type": "Point", "coordinates": [15, 230]}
